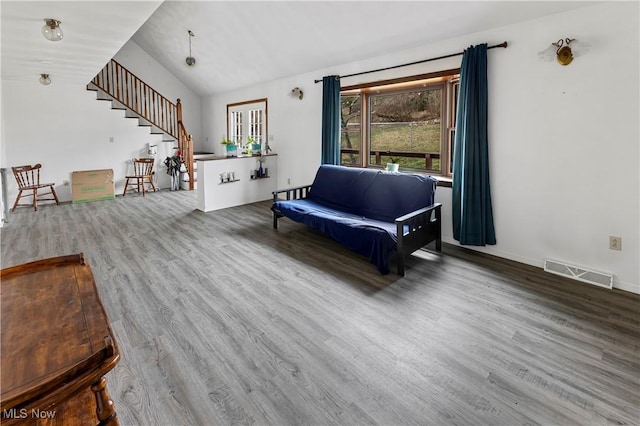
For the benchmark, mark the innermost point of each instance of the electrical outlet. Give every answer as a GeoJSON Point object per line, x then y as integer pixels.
{"type": "Point", "coordinates": [65, 182]}
{"type": "Point", "coordinates": [288, 181]}
{"type": "Point", "coordinates": [615, 243]}
{"type": "Point", "coordinates": [111, 139]}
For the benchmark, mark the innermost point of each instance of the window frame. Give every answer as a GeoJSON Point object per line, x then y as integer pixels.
{"type": "Point", "coordinates": [248, 127]}
{"type": "Point", "coordinates": [448, 80]}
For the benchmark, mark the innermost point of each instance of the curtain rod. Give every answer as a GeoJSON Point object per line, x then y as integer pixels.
{"type": "Point", "coordinates": [503, 44]}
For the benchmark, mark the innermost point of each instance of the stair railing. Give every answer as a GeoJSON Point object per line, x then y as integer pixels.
{"type": "Point", "coordinates": [185, 144]}
{"type": "Point", "coordinates": [126, 88]}
{"type": "Point", "coordinates": [129, 90]}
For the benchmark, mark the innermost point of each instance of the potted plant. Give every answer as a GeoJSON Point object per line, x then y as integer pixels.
{"type": "Point", "coordinates": [230, 146]}
{"type": "Point", "coordinates": [252, 144]}
{"type": "Point", "coordinates": [393, 165]}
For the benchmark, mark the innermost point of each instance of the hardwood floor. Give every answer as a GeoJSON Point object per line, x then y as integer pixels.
{"type": "Point", "coordinates": [222, 320]}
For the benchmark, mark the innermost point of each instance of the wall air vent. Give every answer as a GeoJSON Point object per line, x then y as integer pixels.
{"type": "Point", "coordinates": [601, 279]}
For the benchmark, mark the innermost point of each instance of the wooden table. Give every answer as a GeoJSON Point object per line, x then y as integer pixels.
{"type": "Point", "coordinates": [57, 345]}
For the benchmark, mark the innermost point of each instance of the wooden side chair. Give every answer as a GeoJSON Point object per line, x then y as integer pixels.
{"type": "Point", "coordinates": [142, 170]}
{"type": "Point", "coordinates": [28, 179]}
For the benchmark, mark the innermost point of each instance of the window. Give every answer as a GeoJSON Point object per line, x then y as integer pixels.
{"type": "Point", "coordinates": [255, 125]}
{"type": "Point", "coordinates": [247, 120]}
{"type": "Point", "coordinates": [454, 88]}
{"type": "Point", "coordinates": [350, 130]}
{"type": "Point", "coordinates": [410, 120]}
{"type": "Point", "coordinates": [235, 127]}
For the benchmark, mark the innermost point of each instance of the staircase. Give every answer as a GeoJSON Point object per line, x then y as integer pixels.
{"type": "Point", "coordinates": [139, 101]}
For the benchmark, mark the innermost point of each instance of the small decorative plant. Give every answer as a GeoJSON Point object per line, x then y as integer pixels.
{"type": "Point", "coordinates": [230, 147]}
{"type": "Point", "coordinates": [253, 145]}
{"type": "Point", "coordinates": [393, 165]}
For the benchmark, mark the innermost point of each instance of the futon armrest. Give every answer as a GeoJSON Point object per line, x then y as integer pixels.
{"type": "Point", "coordinates": [421, 212]}
{"type": "Point", "coordinates": [294, 193]}
{"type": "Point", "coordinates": [417, 229]}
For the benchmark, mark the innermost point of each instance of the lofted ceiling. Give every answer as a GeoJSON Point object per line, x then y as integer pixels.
{"type": "Point", "coordinates": [239, 43]}
{"type": "Point", "coordinates": [94, 31]}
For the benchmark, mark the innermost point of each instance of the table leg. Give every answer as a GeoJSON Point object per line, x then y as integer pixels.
{"type": "Point", "coordinates": [105, 408]}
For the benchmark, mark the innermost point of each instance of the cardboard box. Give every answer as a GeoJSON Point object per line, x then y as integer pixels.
{"type": "Point", "coordinates": [92, 185]}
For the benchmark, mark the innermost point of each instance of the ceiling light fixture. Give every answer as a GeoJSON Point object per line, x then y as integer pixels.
{"type": "Point", "coordinates": [45, 80]}
{"type": "Point", "coordinates": [51, 30]}
{"type": "Point", "coordinates": [191, 61]}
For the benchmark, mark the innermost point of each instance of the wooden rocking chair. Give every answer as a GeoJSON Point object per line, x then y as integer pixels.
{"type": "Point", "coordinates": [28, 179]}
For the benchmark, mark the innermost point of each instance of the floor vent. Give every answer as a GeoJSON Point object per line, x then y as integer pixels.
{"type": "Point", "coordinates": [601, 279]}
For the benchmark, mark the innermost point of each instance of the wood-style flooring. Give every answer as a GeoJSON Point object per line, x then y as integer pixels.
{"type": "Point", "coordinates": [222, 320]}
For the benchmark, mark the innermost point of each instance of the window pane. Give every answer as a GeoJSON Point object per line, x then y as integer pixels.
{"type": "Point", "coordinates": [255, 125]}
{"type": "Point", "coordinates": [236, 127]}
{"type": "Point", "coordinates": [406, 126]}
{"type": "Point", "coordinates": [350, 130]}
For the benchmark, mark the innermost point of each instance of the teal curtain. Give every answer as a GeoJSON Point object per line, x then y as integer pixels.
{"type": "Point", "coordinates": [331, 120]}
{"type": "Point", "coordinates": [471, 203]}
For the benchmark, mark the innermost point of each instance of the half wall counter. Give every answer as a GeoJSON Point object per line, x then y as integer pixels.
{"type": "Point", "coordinates": [233, 181]}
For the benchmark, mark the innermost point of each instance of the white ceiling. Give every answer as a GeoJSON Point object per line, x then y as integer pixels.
{"type": "Point", "coordinates": [239, 43]}
{"type": "Point", "coordinates": [94, 31]}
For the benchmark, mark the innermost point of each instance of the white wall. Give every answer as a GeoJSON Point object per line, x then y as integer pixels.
{"type": "Point", "coordinates": [294, 133]}
{"type": "Point", "coordinates": [65, 128]}
{"type": "Point", "coordinates": [564, 141]}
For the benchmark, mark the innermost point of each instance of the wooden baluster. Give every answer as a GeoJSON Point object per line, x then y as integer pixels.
{"type": "Point", "coordinates": [117, 82]}
{"type": "Point", "coordinates": [105, 409]}
{"type": "Point", "coordinates": [162, 115]}
{"type": "Point", "coordinates": [136, 105]}
{"type": "Point", "coordinates": [110, 77]}
{"type": "Point", "coordinates": [145, 99]}
{"type": "Point", "coordinates": [172, 122]}
{"type": "Point", "coordinates": [154, 104]}
{"type": "Point", "coordinates": [127, 96]}
{"type": "Point", "coordinates": [131, 90]}
{"type": "Point", "coordinates": [108, 80]}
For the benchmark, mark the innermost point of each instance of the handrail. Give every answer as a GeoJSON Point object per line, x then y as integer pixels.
{"type": "Point", "coordinates": [185, 144]}
{"type": "Point", "coordinates": [125, 87]}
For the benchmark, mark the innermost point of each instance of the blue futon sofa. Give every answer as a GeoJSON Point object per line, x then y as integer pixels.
{"type": "Point", "coordinates": [374, 213]}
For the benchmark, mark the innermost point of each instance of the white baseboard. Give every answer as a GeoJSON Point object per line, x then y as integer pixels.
{"type": "Point", "coordinates": [539, 263]}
